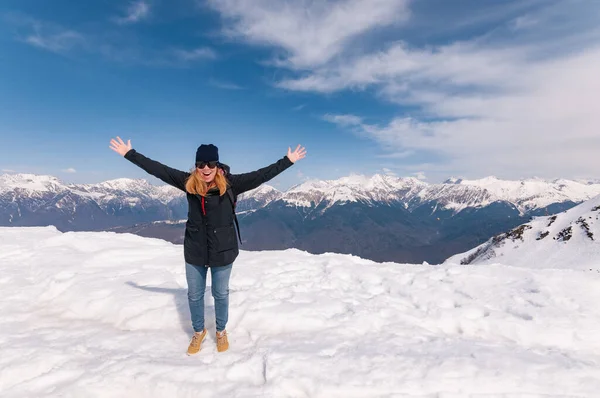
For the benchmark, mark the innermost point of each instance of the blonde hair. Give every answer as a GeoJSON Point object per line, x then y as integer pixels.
{"type": "Point", "coordinates": [197, 186]}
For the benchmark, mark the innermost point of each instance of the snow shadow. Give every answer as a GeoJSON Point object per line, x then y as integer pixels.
{"type": "Point", "coordinates": [181, 303]}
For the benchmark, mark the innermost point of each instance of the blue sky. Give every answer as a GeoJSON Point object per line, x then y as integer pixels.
{"type": "Point", "coordinates": [425, 88]}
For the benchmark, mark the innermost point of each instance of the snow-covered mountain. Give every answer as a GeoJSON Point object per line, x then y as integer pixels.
{"type": "Point", "coordinates": [382, 217]}
{"type": "Point", "coordinates": [526, 195]}
{"type": "Point", "coordinates": [28, 199]}
{"type": "Point", "coordinates": [131, 188]}
{"type": "Point", "coordinates": [258, 198]}
{"type": "Point", "coordinates": [570, 239]}
{"type": "Point", "coordinates": [374, 190]}
{"type": "Point", "coordinates": [386, 218]}
{"type": "Point", "coordinates": [33, 185]}
{"type": "Point", "coordinates": [98, 314]}
{"type": "Point", "coordinates": [453, 194]}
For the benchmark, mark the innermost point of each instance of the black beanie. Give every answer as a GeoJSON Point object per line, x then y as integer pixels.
{"type": "Point", "coordinates": [207, 153]}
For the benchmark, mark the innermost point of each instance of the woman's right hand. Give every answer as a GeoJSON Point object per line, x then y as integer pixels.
{"type": "Point", "coordinates": [119, 146]}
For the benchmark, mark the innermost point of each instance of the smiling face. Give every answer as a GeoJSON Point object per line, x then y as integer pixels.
{"type": "Point", "coordinates": [207, 171]}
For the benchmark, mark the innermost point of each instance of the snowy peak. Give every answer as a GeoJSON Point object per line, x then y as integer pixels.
{"type": "Point", "coordinates": [262, 191]}
{"type": "Point", "coordinates": [133, 188]}
{"type": "Point", "coordinates": [560, 241]}
{"type": "Point", "coordinates": [29, 182]}
{"type": "Point", "coordinates": [455, 193]}
{"type": "Point", "coordinates": [353, 188]}
{"type": "Point", "coordinates": [360, 182]}
{"type": "Point", "coordinates": [41, 185]}
{"type": "Point", "coordinates": [123, 184]}
{"type": "Point", "coordinates": [534, 192]}
{"type": "Point", "coordinates": [258, 198]}
{"type": "Point", "coordinates": [28, 199]}
{"type": "Point", "coordinates": [456, 197]}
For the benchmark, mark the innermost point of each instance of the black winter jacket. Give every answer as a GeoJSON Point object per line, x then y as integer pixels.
{"type": "Point", "coordinates": [210, 237]}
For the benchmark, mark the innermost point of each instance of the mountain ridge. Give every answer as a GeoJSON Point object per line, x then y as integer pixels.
{"type": "Point", "coordinates": [382, 217]}
{"type": "Point", "coordinates": [455, 194]}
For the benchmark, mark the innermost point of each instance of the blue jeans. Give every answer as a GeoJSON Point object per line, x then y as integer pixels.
{"type": "Point", "coordinates": [196, 280]}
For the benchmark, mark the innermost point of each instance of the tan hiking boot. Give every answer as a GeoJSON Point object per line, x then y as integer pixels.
{"type": "Point", "coordinates": [222, 343]}
{"type": "Point", "coordinates": [196, 342]}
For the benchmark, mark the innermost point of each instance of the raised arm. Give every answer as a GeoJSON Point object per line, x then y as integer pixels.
{"type": "Point", "coordinates": [167, 174]}
{"type": "Point", "coordinates": [248, 181]}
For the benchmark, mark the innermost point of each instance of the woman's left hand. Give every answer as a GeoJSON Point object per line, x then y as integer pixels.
{"type": "Point", "coordinates": [298, 154]}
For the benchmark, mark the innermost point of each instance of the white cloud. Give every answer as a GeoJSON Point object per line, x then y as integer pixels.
{"type": "Point", "coordinates": [58, 39]}
{"type": "Point", "coordinates": [343, 120]}
{"type": "Point", "coordinates": [420, 175]}
{"type": "Point", "coordinates": [136, 12]}
{"type": "Point", "coordinates": [195, 54]}
{"type": "Point", "coordinates": [400, 71]}
{"type": "Point", "coordinates": [224, 85]}
{"type": "Point", "coordinates": [389, 172]}
{"type": "Point", "coordinates": [299, 107]}
{"type": "Point", "coordinates": [396, 155]}
{"type": "Point", "coordinates": [53, 38]}
{"type": "Point", "coordinates": [524, 22]}
{"type": "Point", "coordinates": [69, 170]}
{"type": "Point", "coordinates": [8, 171]}
{"type": "Point", "coordinates": [544, 123]}
{"type": "Point", "coordinates": [310, 32]}
{"type": "Point", "coordinates": [518, 100]}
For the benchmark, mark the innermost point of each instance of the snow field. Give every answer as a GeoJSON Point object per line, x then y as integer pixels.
{"type": "Point", "coordinates": [105, 315]}
{"type": "Point", "coordinates": [568, 240]}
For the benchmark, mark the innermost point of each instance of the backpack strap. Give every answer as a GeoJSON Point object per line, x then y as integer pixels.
{"type": "Point", "coordinates": [233, 204]}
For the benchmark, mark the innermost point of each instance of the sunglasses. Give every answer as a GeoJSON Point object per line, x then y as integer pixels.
{"type": "Point", "coordinates": [211, 164]}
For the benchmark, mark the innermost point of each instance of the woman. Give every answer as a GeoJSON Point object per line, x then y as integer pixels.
{"type": "Point", "coordinates": [210, 237]}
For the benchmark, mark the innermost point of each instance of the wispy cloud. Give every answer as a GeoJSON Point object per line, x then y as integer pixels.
{"type": "Point", "coordinates": [51, 37]}
{"type": "Point", "coordinates": [389, 172]}
{"type": "Point", "coordinates": [69, 170]}
{"type": "Point", "coordinates": [195, 54]}
{"type": "Point", "coordinates": [299, 107]}
{"type": "Point", "coordinates": [396, 155]}
{"type": "Point", "coordinates": [136, 12]}
{"type": "Point", "coordinates": [310, 33]}
{"type": "Point", "coordinates": [509, 110]}
{"type": "Point", "coordinates": [518, 99]}
{"type": "Point", "coordinates": [343, 120]}
{"type": "Point", "coordinates": [116, 47]}
{"type": "Point", "coordinates": [224, 85]}
{"type": "Point", "coordinates": [156, 57]}
{"type": "Point", "coordinates": [420, 175]}
{"type": "Point", "coordinates": [524, 22]}
{"type": "Point", "coordinates": [8, 171]}
{"type": "Point", "coordinates": [545, 123]}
